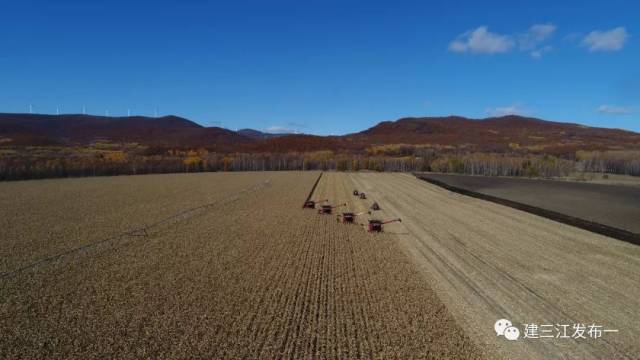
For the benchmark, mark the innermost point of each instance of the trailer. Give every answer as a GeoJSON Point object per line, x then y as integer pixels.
{"type": "Point", "coordinates": [328, 209]}
{"type": "Point", "coordinates": [311, 204]}
{"type": "Point", "coordinates": [349, 217]}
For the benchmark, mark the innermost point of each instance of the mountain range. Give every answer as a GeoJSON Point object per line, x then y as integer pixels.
{"type": "Point", "coordinates": [494, 134]}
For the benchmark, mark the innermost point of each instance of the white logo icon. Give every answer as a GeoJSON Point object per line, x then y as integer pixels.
{"type": "Point", "coordinates": [511, 333]}
{"type": "Point", "coordinates": [504, 327]}
{"type": "Point", "coordinates": [501, 325]}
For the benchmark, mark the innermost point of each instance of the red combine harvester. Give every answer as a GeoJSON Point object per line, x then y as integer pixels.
{"type": "Point", "coordinates": [328, 209]}
{"type": "Point", "coordinates": [349, 217]}
{"type": "Point", "coordinates": [376, 225]}
{"type": "Point", "coordinates": [363, 195]}
{"type": "Point", "coordinates": [311, 204]}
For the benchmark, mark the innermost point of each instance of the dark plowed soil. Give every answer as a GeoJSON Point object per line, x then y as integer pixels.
{"type": "Point", "coordinates": [614, 206]}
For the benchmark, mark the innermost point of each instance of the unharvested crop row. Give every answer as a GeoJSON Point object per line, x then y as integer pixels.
{"type": "Point", "coordinates": [39, 219]}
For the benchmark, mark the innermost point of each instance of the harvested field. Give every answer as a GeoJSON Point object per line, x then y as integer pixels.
{"type": "Point", "coordinates": [617, 206]}
{"type": "Point", "coordinates": [253, 276]}
{"type": "Point", "coordinates": [489, 262]}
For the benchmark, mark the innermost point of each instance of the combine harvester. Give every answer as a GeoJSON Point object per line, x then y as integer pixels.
{"type": "Point", "coordinates": [376, 225]}
{"type": "Point", "coordinates": [363, 196]}
{"type": "Point", "coordinates": [328, 209]}
{"type": "Point", "coordinates": [311, 204]}
{"type": "Point", "coordinates": [349, 217]}
{"type": "Point", "coordinates": [356, 193]}
{"type": "Point", "coordinates": [375, 206]}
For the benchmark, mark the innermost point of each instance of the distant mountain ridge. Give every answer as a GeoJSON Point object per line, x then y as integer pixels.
{"type": "Point", "coordinates": [168, 131]}
{"type": "Point", "coordinates": [498, 134]}
{"type": "Point", "coordinates": [258, 135]}
{"type": "Point", "coordinates": [495, 134]}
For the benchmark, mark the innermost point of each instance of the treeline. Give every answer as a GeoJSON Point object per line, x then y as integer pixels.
{"type": "Point", "coordinates": [612, 161]}
{"type": "Point", "coordinates": [17, 166]}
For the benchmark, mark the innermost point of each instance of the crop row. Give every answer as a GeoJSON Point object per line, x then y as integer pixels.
{"type": "Point", "coordinates": [258, 278]}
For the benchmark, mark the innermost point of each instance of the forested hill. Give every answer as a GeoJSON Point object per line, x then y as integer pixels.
{"type": "Point", "coordinates": [499, 134]}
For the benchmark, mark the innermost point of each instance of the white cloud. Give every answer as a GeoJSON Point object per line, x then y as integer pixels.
{"type": "Point", "coordinates": [536, 34]}
{"type": "Point", "coordinates": [615, 110]}
{"type": "Point", "coordinates": [481, 41]}
{"type": "Point", "coordinates": [515, 109]}
{"type": "Point", "coordinates": [296, 125]}
{"type": "Point", "coordinates": [610, 40]}
{"type": "Point", "coordinates": [542, 31]}
{"type": "Point", "coordinates": [537, 53]}
{"type": "Point", "coordinates": [532, 40]}
{"type": "Point", "coordinates": [457, 46]}
{"type": "Point", "coordinates": [276, 129]}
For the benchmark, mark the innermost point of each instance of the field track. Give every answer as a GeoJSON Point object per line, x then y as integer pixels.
{"type": "Point", "coordinates": [257, 277]}
{"type": "Point", "coordinates": [490, 262]}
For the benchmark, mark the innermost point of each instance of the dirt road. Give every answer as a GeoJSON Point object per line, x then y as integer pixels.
{"type": "Point", "coordinates": [489, 262]}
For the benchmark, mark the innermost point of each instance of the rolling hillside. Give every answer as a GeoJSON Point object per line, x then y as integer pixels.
{"type": "Point", "coordinates": [168, 131]}
{"type": "Point", "coordinates": [489, 135]}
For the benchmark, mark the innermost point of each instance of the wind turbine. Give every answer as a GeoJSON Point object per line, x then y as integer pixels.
{"type": "Point", "coordinates": [30, 108]}
{"type": "Point", "coordinates": [84, 110]}
{"type": "Point", "coordinates": [128, 112]}
{"type": "Point", "coordinates": [58, 110]}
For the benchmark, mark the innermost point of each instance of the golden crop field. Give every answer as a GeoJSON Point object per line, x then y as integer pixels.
{"type": "Point", "coordinates": [232, 267]}
{"type": "Point", "coordinates": [229, 265]}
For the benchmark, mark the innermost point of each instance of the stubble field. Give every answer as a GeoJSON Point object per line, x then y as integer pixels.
{"type": "Point", "coordinates": [489, 262]}
{"type": "Point", "coordinates": [241, 272]}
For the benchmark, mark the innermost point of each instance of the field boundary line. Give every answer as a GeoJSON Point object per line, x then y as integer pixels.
{"type": "Point", "coordinates": [140, 232]}
{"type": "Point", "coordinates": [313, 188]}
{"type": "Point", "coordinates": [610, 231]}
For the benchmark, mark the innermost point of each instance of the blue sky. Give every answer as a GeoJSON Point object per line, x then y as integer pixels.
{"type": "Point", "coordinates": [324, 66]}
